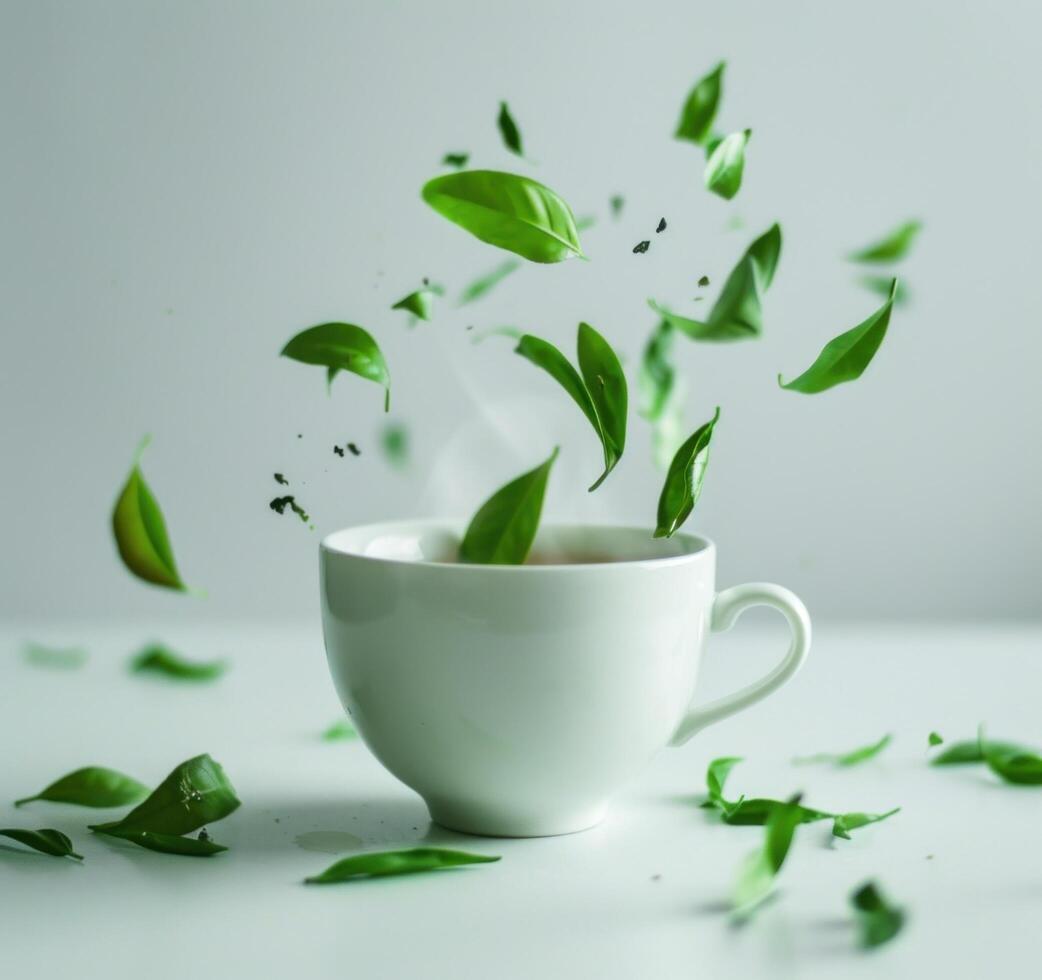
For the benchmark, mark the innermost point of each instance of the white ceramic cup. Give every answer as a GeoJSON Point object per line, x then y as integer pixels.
{"type": "Point", "coordinates": [517, 699]}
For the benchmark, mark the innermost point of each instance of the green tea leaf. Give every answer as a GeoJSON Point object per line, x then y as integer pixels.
{"type": "Point", "coordinates": [1021, 767]}
{"type": "Point", "coordinates": [341, 347]}
{"type": "Point", "coordinates": [508, 130]}
{"type": "Point", "coordinates": [457, 160]}
{"type": "Point", "coordinates": [716, 779]}
{"type": "Point", "coordinates": [166, 843]}
{"type": "Point", "coordinates": [140, 531]}
{"type": "Point", "coordinates": [514, 333]}
{"type": "Point", "coordinates": [881, 286]}
{"type": "Point", "coordinates": [683, 484]}
{"type": "Point", "coordinates": [657, 375]}
{"type": "Point", "coordinates": [758, 872]}
{"type": "Point", "coordinates": [738, 312]}
{"type": "Point", "coordinates": [93, 786]}
{"type": "Point", "coordinates": [384, 863]}
{"type": "Point", "coordinates": [508, 211]}
{"type": "Point", "coordinates": [418, 303]}
{"type": "Point", "coordinates": [585, 222]}
{"type": "Point", "coordinates": [965, 753]}
{"type": "Point", "coordinates": [46, 841]}
{"type": "Point", "coordinates": [339, 731]}
{"type": "Point", "coordinates": [878, 920]}
{"type": "Point", "coordinates": [846, 822]}
{"type": "Point", "coordinates": [196, 792]}
{"type": "Point", "coordinates": [616, 202]}
{"type": "Point", "coordinates": [480, 286]}
{"type": "Point", "coordinates": [726, 164]}
{"type": "Point", "coordinates": [934, 739]}
{"type": "Point", "coordinates": [600, 391]}
{"type": "Point", "coordinates": [893, 247]}
{"type": "Point", "coordinates": [699, 111]}
{"type": "Point", "coordinates": [851, 758]}
{"type": "Point", "coordinates": [158, 659]}
{"type": "Point", "coordinates": [756, 812]}
{"type": "Point", "coordinates": [394, 443]}
{"type": "Point", "coordinates": [844, 358]}
{"type": "Point", "coordinates": [62, 658]}
{"type": "Point", "coordinates": [503, 529]}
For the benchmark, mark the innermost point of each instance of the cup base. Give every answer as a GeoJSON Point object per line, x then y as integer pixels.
{"type": "Point", "coordinates": [482, 820]}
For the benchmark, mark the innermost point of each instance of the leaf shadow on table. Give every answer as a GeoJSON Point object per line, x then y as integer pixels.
{"type": "Point", "coordinates": [22, 860]}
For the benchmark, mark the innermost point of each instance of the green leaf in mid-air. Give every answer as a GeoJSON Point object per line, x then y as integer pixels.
{"type": "Point", "coordinates": [844, 823]}
{"type": "Point", "coordinates": [158, 659]}
{"type": "Point", "coordinates": [892, 247]}
{"type": "Point", "coordinates": [505, 525]}
{"type": "Point", "coordinates": [759, 870]}
{"type": "Point", "coordinates": [878, 920]}
{"type": "Point", "coordinates": [341, 347]}
{"type": "Point", "coordinates": [394, 444]}
{"type": "Point", "coordinates": [63, 658]}
{"type": "Point", "coordinates": [657, 375]}
{"type": "Point", "coordinates": [167, 843]}
{"type": "Point", "coordinates": [140, 531]}
{"type": "Point", "coordinates": [738, 312]}
{"type": "Point", "coordinates": [599, 390]}
{"type": "Point", "coordinates": [418, 303]}
{"type": "Point", "coordinates": [384, 863]}
{"type": "Point", "coordinates": [844, 358]}
{"type": "Point", "coordinates": [699, 111]}
{"type": "Point", "coordinates": [851, 758]}
{"type": "Point", "coordinates": [46, 841]}
{"type": "Point", "coordinates": [508, 130]}
{"type": "Point", "coordinates": [509, 211]}
{"type": "Point", "coordinates": [93, 786]}
{"type": "Point", "coordinates": [457, 160]}
{"type": "Point", "coordinates": [484, 283]}
{"type": "Point", "coordinates": [968, 753]}
{"type": "Point", "coordinates": [726, 164]}
{"type": "Point", "coordinates": [934, 739]}
{"type": "Point", "coordinates": [1022, 767]}
{"type": "Point", "coordinates": [683, 484]}
{"type": "Point", "coordinates": [196, 792]}
{"type": "Point", "coordinates": [339, 731]}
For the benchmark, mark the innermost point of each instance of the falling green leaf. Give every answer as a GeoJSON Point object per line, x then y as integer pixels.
{"type": "Point", "coordinates": [196, 792]}
{"type": "Point", "coordinates": [508, 130]}
{"type": "Point", "coordinates": [46, 841]}
{"type": "Point", "coordinates": [394, 443]}
{"type": "Point", "coordinates": [166, 843]}
{"type": "Point", "coordinates": [339, 731]}
{"type": "Point", "coordinates": [881, 286]}
{"type": "Point", "coordinates": [843, 823]}
{"type": "Point", "coordinates": [667, 433]}
{"type": "Point", "coordinates": [683, 484]}
{"type": "Point", "coordinates": [62, 658]}
{"type": "Point", "coordinates": [844, 358]}
{"type": "Point", "coordinates": [934, 739]}
{"type": "Point", "coordinates": [480, 286]}
{"type": "Point", "coordinates": [851, 758]}
{"type": "Point", "coordinates": [758, 872]}
{"type": "Point", "coordinates": [384, 863]}
{"type": "Point", "coordinates": [726, 164]}
{"type": "Point", "coordinates": [158, 659]}
{"type": "Point", "coordinates": [93, 786]}
{"type": "Point", "coordinates": [699, 111]}
{"type": "Point", "coordinates": [657, 375]}
{"type": "Point", "coordinates": [503, 529]}
{"type": "Point", "coordinates": [418, 303]}
{"type": "Point", "coordinates": [600, 391]}
{"type": "Point", "coordinates": [893, 247]}
{"type": "Point", "coordinates": [508, 211]}
{"type": "Point", "coordinates": [616, 202]}
{"type": "Point", "coordinates": [457, 160]}
{"type": "Point", "coordinates": [341, 347]}
{"type": "Point", "coordinates": [585, 222]}
{"type": "Point", "coordinates": [516, 333]}
{"type": "Point", "coordinates": [738, 312]}
{"type": "Point", "coordinates": [878, 920]}
{"type": "Point", "coordinates": [140, 531]}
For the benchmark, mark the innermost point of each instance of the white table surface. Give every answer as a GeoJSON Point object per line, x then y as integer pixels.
{"type": "Point", "coordinates": [962, 856]}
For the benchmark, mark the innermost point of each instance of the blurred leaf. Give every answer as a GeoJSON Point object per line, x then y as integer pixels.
{"type": "Point", "coordinates": [616, 202]}
{"type": "Point", "coordinates": [881, 286]}
{"type": "Point", "coordinates": [657, 375]}
{"type": "Point", "coordinates": [394, 443]}
{"type": "Point", "coordinates": [384, 863]}
{"type": "Point", "coordinates": [846, 822]}
{"type": "Point", "coordinates": [158, 659]}
{"type": "Point", "coordinates": [878, 920]}
{"type": "Point", "coordinates": [339, 731]}
{"type": "Point", "coordinates": [851, 758]}
{"type": "Point", "coordinates": [758, 872]}
{"type": "Point", "coordinates": [892, 247]}
{"type": "Point", "coordinates": [934, 739]}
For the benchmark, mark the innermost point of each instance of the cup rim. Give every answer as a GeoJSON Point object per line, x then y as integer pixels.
{"type": "Point", "coordinates": [699, 545]}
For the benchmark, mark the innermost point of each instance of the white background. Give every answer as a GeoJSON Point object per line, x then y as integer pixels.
{"type": "Point", "coordinates": [186, 185]}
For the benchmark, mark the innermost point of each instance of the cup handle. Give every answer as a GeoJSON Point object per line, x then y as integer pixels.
{"type": "Point", "coordinates": [727, 607]}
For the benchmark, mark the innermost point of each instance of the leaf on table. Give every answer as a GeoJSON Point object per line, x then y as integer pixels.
{"type": "Point", "coordinates": [892, 247]}
{"type": "Point", "coordinates": [505, 525]}
{"type": "Point", "coordinates": [46, 841]}
{"type": "Point", "coordinates": [416, 860]}
{"type": "Point", "coordinates": [968, 753]}
{"type": "Point", "coordinates": [508, 211]}
{"type": "Point", "coordinates": [843, 823]}
{"type": "Point", "coordinates": [700, 107]}
{"type": "Point", "coordinates": [616, 202]}
{"type": "Point", "coordinates": [683, 484]}
{"type": "Point", "coordinates": [508, 130]}
{"type": "Point", "coordinates": [851, 758]}
{"type": "Point", "coordinates": [758, 872]}
{"type": "Point", "coordinates": [457, 160]}
{"type": "Point", "coordinates": [726, 165]}
{"type": "Point", "coordinates": [878, 921]}
{"type": "Point", "coordinates": [167, 843]}
{"type": "Point", "coordinates": [515, 333]}
{"type": "Point", "coordinates": [844, 358]}
{"type": "Point", "coordinates": [140, 531]}
{"type": "Point", "coordinates": [880, 285]}
{"type": "Point", "coordinates": [94, 786]}
{"type": "Point", "coordinates": [158, 659]}
{"type": "Point", "coordinates": [341, 347]}
{"type": "Point", "coordinates": [934, 739]}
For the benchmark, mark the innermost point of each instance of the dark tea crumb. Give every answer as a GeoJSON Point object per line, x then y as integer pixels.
{"type": "Point", "coordinates": [656, 877]}
{"type": "Point", "coordinates": [299, 436]}
{"type": "Point", "coordinates": [279, 478]}
{"type": "Point", "coordinates": [354, 450]}
{"type": "Point", "coordinates": [471, 327]}
{"type": "Point", "coordinates": [338, 451]}
{"type": "Point", "coordinates": [704, 281]}
{"type": "Point", "coordinates": [203, 835]}
{"type": "Point", "coordinates": [661, 225]}
{"type": "Point", "coordinates": [641, 247]}
{"type": "Point", "coordinates": [279, 505]}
